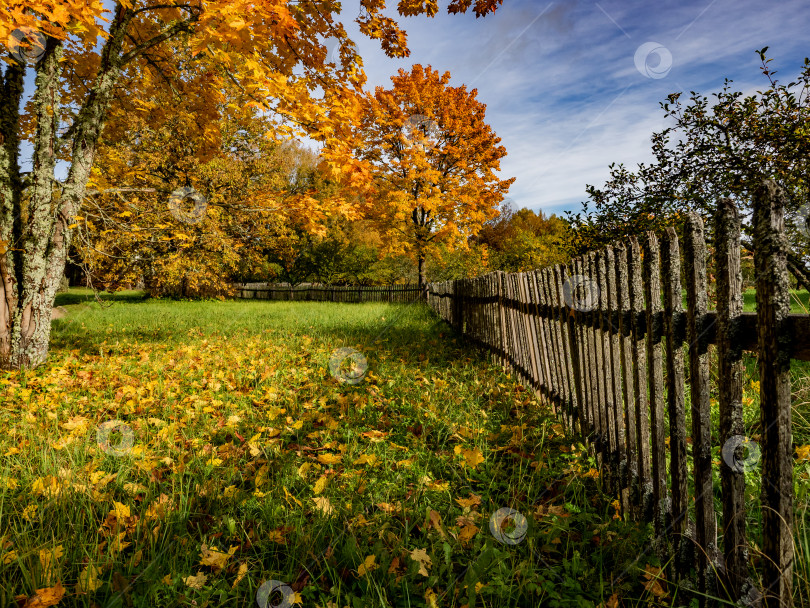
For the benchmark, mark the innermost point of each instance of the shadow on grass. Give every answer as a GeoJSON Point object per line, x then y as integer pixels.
{"type": "Point", "coordinates": [404, 329]}
{"type": "Point", "coordinates": [82, 295]}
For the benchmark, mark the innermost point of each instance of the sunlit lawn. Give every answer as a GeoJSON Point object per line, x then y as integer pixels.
{"type": "Point", "coordinates": [239, 459]}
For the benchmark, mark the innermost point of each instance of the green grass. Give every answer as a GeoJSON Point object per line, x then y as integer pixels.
{"type": "Point", "coordinates": [239, 432]}
{"type": "Point", "coordinates": [799, 301]}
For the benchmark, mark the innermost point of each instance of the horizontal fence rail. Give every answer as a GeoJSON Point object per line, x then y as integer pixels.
{"type": "Point", "coordinates": [607, 342]}
{"type": "Point", "coordinates": [329, 293]}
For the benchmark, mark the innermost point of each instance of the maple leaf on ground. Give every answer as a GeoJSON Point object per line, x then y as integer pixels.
{"type": "Point", "coordinates": [48, 559]}
{"type": "Point", "coordinates": [214, 557]}
{"type": "Point", "coordinates": [473, 501]}
{"type": "Point", "coordinates": [421, 557]}
{"type": "Point", "coordinates": [43, 598]}
{"type": "Point", "coordinates": [324, 505]}
{"type": "Point", "coordinates": [467, 533]}
{"type": "Point", "coordinates": [320, 485]}
{"type": "Point", "coordinates": [196, 582]}
{"type": "Point", "coordinates": [654, 579]}
{"type": "Point", "coordinates": [472, 458]}
{"type": "Point", "coordinates": [436, 522]}
{"type": "Point", "coordinates": [367, 566]}
{"type": "Point", "coordinates": [88, 579]}
{"type": "Point", "coordinates": [329, 458]}
{"type": "Point", "coordinates": [375, 436]}
{"type": "Point", "coordinates": [243, 568]}
{"type": "Point", "coordinates": [366, 459]}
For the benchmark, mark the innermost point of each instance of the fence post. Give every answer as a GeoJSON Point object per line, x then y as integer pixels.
{"type": "Point", "coordinates": [773, 307]}
{"type": "Point", "coordinates": [596, 357]}
{"type": "Point", "coordinates": [583, 329]}
{"type": "Point", "coordinates": [674, 328]}
{"type": "Point", "coordinates": [696, 297]}
{"type": "Point", "coordinates": [730, 392]}
{"type": "Point", "coordinates": [580, 421]}
{"type": "Point", "coordinates": [642, 404]}
{"type": "Point", "coordinates": [616, 368]}
{"type": "Point", "coordinates": [655, 364]}
{"type": "Point", "coordinates": [501, 321]}
{"type": "Point", "coordinates": [606, 371]}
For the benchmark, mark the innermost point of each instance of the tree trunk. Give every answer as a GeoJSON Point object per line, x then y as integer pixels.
{"type": "Point", "coordinates": [421, 259]}
{"type": "Point", "coordinates": [35, 224]}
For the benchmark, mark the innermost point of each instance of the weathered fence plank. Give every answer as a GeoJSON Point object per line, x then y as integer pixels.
{"type": "Point", "coordinates": [674, 329]}
{"type": "Point", "coordinates": [630, 472]}
{"type": "Point", "coordinates": [642, 410]}
{"type": "Point", "coordinates": [652, 294]}
{"type": "Point", "coordinates": [613, 307]}
{"type": "Point", "coordinates": [696, 298]}
{"type": "Point", "coordinates": [730, 369]}
{"type": "Point", "coordinates": [773, 307]}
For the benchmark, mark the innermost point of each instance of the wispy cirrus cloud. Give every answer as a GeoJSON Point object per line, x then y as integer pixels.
{"type": "Point", "coordinates": [560, 82]}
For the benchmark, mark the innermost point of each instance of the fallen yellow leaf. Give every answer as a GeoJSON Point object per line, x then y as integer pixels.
{"type": "Point", "coordinates": [324, 505]}
{"type": "Point", "coordinates": [240, 575]}
{"type": "Point", "coordinates": [320, 485]}
{"type": "Point", "coordinates": [367, 566]}
{"type": "Point", "coordinates": [43, 598]}
{"type": "Point", "coordinates": [472, 458]}
{"type": "Point", "coordinates": [88, 579]}
{"type": "Point", "coordinates": [421, 557]}
{"type": "Point", "coordinates": [211, 556]}
{"type": "Point", "coordinates": [196, 582]}
{"type": "Point", "coordinates": [329, 458]}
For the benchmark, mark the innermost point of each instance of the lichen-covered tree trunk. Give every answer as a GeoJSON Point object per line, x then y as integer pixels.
{"type": "Point", "coordinates": [36, 212]}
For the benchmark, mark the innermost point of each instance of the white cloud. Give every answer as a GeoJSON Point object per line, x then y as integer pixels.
{"type": "Point", "coordinates": [562, 90]}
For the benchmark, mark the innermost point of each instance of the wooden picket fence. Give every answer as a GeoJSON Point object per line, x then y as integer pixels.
{"type": "Point", "coordinates": [329, 293]}
{"type": "Point", "coordinates": [604, 339]}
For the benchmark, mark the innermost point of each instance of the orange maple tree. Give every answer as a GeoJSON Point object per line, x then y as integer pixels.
{"type": "Point", "coordinates": [434, 161]}
{"type": "Point", "coordinates": [273, 51]}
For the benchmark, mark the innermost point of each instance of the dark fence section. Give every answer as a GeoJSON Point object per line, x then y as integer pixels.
{"type": "Point", "coordinates": [329, 293]}
{"type": "Point", "coordinates": [604, 340]}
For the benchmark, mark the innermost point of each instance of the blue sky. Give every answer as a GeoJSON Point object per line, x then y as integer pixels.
{"type": "Point", "coordinates": [560, 79]}
{"type": "Point", "coordinates": [561, 83]}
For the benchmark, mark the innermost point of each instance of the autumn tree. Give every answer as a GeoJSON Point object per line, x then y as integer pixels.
{"type": "Point", "coordinates": [522, 240]}
{"type": "Point", "coordinates": [434, 161]}
{"type": "Point", "coordinates": [273, 51]}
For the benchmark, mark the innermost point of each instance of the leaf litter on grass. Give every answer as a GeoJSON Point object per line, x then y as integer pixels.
{"type": "Point", "coordinates": [247, 463]}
